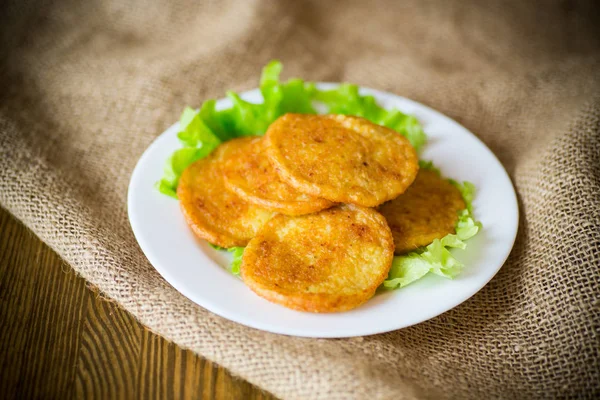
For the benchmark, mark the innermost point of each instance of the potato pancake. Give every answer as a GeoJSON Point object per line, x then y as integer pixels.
{"type": "Point", "coordinates": [214, 213]}
{"type": "Point", "coordinates": [341, 158]}
{"type": "Point", "coordinates": [249, 174]}
{"type": "Point", "coordinates": [330, 261]}
{"type": "Point", "coordinates": [428, 210]}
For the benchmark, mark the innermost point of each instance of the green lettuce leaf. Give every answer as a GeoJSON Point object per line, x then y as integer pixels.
{"type": "Point", "coordinates": [195, 133]}
{"type": "Point", "coordinates": [297, 97]}
{"type": "Point", "coordinates": [428, 165]}
{"type": "Point", "coordinates": [198, 141]}
{"type": "Point", "coordinates": [467, 190]}
{"type": "Point", "coordinates": [236, 263]}
{"type": "Point", "coordinates": [278, 99]}
{"type": "Point", "coordinates": [346, 99]}
{"type": "Point", "coordinates": [175, 165]}
{"type": "Point", "coordinates": [221, 123]}
{"type": "Point", "coordinates": [249, 118]}
{"type": "Point", "coordinates": [437, 257]}
{"type": "Point", "coordinates": [203, 130]}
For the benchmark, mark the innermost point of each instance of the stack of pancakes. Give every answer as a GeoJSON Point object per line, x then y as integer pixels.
{"type": "Point", "coordinates": [322, 203]}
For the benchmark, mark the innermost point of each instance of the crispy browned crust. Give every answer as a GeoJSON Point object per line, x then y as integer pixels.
{"type": "Point", "coordinates": [428, 210]}
{"type": "Point", "coordinates": [212, 212]}
{"type": "Point", "coordinates": [250, 175]}
{"type": "Point", "coordinates": [341, 158]}
{"type": "Point", "coordinates": [330, 261]}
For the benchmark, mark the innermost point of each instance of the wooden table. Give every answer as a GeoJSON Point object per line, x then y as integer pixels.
{"type": "Point", "coordinates": [60, 339]}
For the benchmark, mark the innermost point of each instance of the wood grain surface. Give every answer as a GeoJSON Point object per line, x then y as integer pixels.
{"type": "Point", "coordinates": [60, 339]}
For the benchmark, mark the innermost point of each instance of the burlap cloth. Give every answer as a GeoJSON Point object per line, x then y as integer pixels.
{"type": "Point", "coordinates": [86, 86]}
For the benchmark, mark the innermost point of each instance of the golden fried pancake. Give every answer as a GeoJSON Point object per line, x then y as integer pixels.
{"type": "Point", "coordinates": [330, 261]}
{"type": "Point", "coordinates": [250, 175]}
{"type": "Point", "coordinates": [341, 158]}
{"type": "Point", "coordinates": [428, 210]}
{"type": "Point", "coordinates": [214, 213]}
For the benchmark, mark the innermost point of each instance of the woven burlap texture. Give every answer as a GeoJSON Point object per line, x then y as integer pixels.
{"type": "Point", "coordinates": [87, 86]}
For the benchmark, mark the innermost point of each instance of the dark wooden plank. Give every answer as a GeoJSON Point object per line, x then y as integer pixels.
{"type": "Point", "coordinates": [40, 313]}
{"type": "Point", "coordinates": [169, 372]}
{"type": "Point", "coordinates": [59, 339]}
{"type": "Point", "coordinates": [109, 352]}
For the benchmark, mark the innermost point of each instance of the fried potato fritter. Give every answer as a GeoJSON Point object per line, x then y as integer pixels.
{"type": "Point", "coordinates": [214, 213]}
{"type": "Point", "coordinates": [341, 158]}
{"type": "Point", "coordinates": [428, 210]}
{"type": "Point", "coordinates": [249, 174]}
{"type": "Point", "coordinates": [330, 261]}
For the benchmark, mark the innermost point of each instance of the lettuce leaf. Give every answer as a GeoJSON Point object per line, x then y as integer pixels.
{"type": "Point", "coordinates": [219, 122]}
{"type": "Point", "coordinates": [236, 263]}
{"type": "Point", "coordinates": [202, 131]}
{"type": "Point", "coordinates": [428, 165]}
{"type": "Point", "coordinates": [194, 132]}
{"type": "Point", "coordinates": [346, 99]}
{"type": "Point", "coordinates": [198, 141]}
{"type": "Point", "coordinates": [467, 190]}
{"type": "Point", "coordinates": [437, 257]}
{"type": "Point", "coordinates": [175, 165]}
{"type": "Point", "coordinates": [278, 99]}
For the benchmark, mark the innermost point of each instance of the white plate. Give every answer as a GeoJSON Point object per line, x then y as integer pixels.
{"type": "Point", "coordinates": [198, 271]}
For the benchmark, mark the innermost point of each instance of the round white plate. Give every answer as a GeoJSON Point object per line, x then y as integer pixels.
{"type": "Point", "coordinates": [199, 272]}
